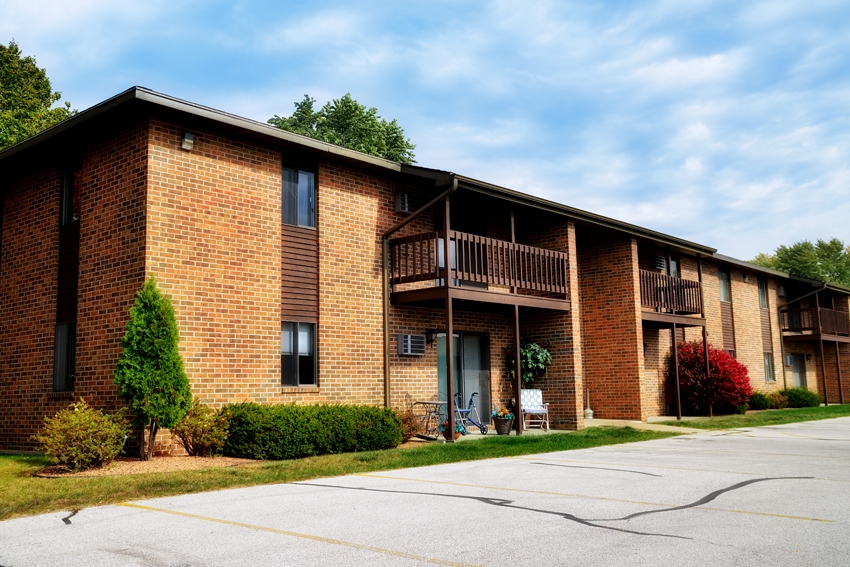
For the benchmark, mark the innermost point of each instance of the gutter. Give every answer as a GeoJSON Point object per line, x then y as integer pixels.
{"type": "Point", "coordinates": [385, 264]}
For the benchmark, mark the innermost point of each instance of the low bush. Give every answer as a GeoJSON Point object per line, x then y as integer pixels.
{"type": "Point", "coordinates": [777, 401]}
{"type": "Point", "coordinates": [202, 431]}
{"type": "Point", "coordinates": [759, 401]}
{"type": "Point", "coordinates": [411, 425]}
{"type": "Point", "coordinates": [290, 431]}
{"type": "Point", "coordinates": [728, 388]}
{"type": "Point", "coordinates": [81, 438]}
{"type": "Point", "coordinates": [801, 398]}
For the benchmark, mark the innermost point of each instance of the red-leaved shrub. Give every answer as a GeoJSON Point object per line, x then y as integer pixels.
{"type": "Point", "coordinates": [727, 389]}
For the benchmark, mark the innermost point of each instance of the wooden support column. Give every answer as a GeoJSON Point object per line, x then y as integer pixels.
{"type": "Point", "coordinates": [704, 331]}
{"type": "Point", "coordinates": [675, 360]}
{"type": "Point", "coordinates": [450, 355]}
{"type": "Point", "coordinates": [820, 350]}
{"type": "Point", "coordinates": [837, 359]}
{"type": "Point", "coordinates": [517, 374]}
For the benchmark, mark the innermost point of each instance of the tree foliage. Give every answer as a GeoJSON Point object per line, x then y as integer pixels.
{"type": "Point", "coordinates": [347, 123]}
{"type": "Point", "coordinates": [827, 260]}
{"type": "Point", "coordinates": [727, 388]}
{"type": "Point", "coordinates": [150, 372]}
{"type": "Point", "coordinates": [26, 98]}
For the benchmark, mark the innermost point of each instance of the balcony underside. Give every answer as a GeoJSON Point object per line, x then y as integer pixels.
{"type": "Point", "coordinates": [468, 299]}
{"type": "Point", "coordinates": [814, 337]}
{"type": "Point", "coordinates": [655, 320]}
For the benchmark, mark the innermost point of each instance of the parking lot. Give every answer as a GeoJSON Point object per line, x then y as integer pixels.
{"type": "Point", "coordinates": [766, 496]}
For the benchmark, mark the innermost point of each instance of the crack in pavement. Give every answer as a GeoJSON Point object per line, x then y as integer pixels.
{"type": "Point", "coordinates": [500, 502]}
{"type": "Point", "coordinates": [705, 499]}
{"type": "Point", "coordinates": [596, 468]}
{"type": "Point", "coordinates": [67, 519]}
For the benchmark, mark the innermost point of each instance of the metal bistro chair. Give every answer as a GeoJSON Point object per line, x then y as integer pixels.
{"type": "Point", "coordinates": [535, 413]}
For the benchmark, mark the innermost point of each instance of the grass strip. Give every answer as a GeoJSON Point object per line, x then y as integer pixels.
{"type": "Point", "coordinates": [765, 417]}
{"type": "Point", "coordinates": [24, 494]}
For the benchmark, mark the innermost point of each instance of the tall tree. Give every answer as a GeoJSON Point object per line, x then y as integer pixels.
{"type": "Point", "coordinates": [26, 98]}
{"type": "Point", "coordinates": [347, 123]}
{"type": "Point", "coordinates": [149, 373]}
{"type": "Point", "coordinates": [827, 260]}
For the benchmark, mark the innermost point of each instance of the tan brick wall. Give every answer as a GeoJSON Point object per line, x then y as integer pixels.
{"type": "Point", "coordinates": [213, 242]}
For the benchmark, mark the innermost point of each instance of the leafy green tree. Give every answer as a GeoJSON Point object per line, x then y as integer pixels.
{"type": "Point", "coordinates": [827, 260]}
{"type": "Point", "coordinates": [150, 372]}
{"type": "Point", "coordinates": [26, 98]}
{"type": "Point", "coordinates": [347, 123]}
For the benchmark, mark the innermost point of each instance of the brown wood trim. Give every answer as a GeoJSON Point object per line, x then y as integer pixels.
{"type": "Point", "coordinates": [669, 319]}
{"type": "Point", "coordinates": [479, 295]}
{"type": "Point", "coordinates": [299, 274]}
{"type": "Point", "coordinates": [727, 324]}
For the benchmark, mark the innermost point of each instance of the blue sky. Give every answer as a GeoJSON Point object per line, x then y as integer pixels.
{"type": "Point", "coordinates": [723, 122]}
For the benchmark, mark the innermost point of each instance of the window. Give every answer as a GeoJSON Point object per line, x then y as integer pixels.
{"type": "Point", "coordinates": [69, 207]}
{"type": "Point", "coordinates": [769, 375]}
{"type": "Point", "coordinates": [674, 267]}
{"type": "Point", "coordinates": [64, 347]}
{"type": "Point", "coordinates": [763, 293]}
{"type": "Point", "coordinates": [299, 197]}
{"type": "Point", "coordinates": [725, 286]}
{"type": "Point", "coordinates": [298, 354]}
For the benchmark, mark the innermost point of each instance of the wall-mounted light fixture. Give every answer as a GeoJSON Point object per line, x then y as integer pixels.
{"type": "Point", "coordinates": [187, 142]}
{"type": "Point", "coordinates": [430, 335]}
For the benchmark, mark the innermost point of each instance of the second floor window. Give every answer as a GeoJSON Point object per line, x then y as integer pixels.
{"type": "Point", "coordinates": [725, 286]}
{"type": "Point", "coordinates": [299, 197]}
{"type": "Point", "coordinates": [763, 293]}
{"type": "Point", "coordinates": [69, 206]}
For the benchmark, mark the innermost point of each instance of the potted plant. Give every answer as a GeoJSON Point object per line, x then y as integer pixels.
{"type": "Point", "coordinates": [535, 360]}
{"type": "Point", "coordinates": [459, 430]}
{"type": "Point", "coordinates": [503, 419]}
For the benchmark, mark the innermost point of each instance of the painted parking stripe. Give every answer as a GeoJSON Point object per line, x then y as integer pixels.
{"type": "Point", "coordinates": [360, 546]}
{"type": "Point", "coordinates": [585, 496]}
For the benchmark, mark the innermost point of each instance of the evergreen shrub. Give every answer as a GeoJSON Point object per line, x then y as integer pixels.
{"type": "Point", "coordinates": [801, 398]}
{"type": "Point", "coordinates": [80, 437]}
{"type": "Point", "coordinates": [759, 401]}
{"type": "Point", "coordinates": [289, 431]}
{"type": "Point", "coordinates": [202, 431]}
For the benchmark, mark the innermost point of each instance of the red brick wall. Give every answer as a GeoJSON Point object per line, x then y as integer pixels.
{"type": "Point", "coordinates": [111, 268]}
{"type": "Point", "coordinates": [611, 325]}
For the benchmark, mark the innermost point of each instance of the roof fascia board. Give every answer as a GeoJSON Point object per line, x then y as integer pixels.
{"type": "Point", "coordinates": [157, 99]}
{"type": "Point", "coordinates": [750, 266]}
{"type": "Point", "coordinates": [550, 206]}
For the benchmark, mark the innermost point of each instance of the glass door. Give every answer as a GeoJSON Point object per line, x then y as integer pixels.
{"type": "Point", "coordinates": [472, 370]}
{"type": "Point", "coordinates": [798, 370]}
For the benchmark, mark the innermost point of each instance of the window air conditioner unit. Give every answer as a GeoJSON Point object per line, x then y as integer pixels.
{"type": "Point", "coordinates": [660, 262]}
{"type": "Point", "coordinates": [789, 360]}
{"type": "Point", "coordinates": [411, 345]}
{"type": "Point", "coordinates": [402, 203]}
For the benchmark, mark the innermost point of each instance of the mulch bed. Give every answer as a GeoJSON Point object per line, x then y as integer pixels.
{"type": "Point", "coordinates": [126, 465]}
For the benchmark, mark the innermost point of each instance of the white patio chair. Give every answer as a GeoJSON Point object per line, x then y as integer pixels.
{"type": "Point", "coordinates": [534, 412]}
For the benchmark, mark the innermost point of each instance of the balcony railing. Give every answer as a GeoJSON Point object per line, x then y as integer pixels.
{"type": "Point", "coordinates": [668, 294]}
{"type": "Point", "coordinates": [477, 259]}
{"type": "Point", "coordinates": [806, 320]}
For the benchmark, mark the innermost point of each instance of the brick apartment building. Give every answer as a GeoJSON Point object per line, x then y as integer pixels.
{"type": "Point", "coordinates": [305, 272]}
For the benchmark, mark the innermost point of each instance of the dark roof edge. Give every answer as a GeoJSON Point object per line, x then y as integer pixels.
{"type": "Point", "coordinates": [551, 206]}
{"type": "Point", "coordinates": [751, 266]}
{"type": "Point", "coordinates": [147, 95]}
{"type": "Point", "coordinates": [818, 283]}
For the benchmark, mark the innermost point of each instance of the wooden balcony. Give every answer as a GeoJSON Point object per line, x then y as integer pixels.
{"type": "Point", "coordinates": [667, 294]}
{"type": "Point", "coordinates": [813, 322]}
{"type": "Point", "coordinates": [477, 265]}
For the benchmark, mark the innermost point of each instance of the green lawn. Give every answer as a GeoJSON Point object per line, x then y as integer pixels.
{"type": "Point", "coordinates": [25, 494]}
{"type": "Point", "coordinates": [765, 417]}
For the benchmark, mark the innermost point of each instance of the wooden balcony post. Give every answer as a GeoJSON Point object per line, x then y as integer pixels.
{"type": "Point", "coordinates": [450, 355]}
{"type": "Point", "coordinates": [675, 354]}
{"type": "Point", "coordinates": [702, 314]}
{"type": "Point", "coordinates": [517, 373]}
{"type": "Point", "coordinates": [820, 349]}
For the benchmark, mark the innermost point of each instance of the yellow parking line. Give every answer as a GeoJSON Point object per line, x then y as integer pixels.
{"type": "Point", "coordinates": [574, 495]}
{"type": "Point", "coordinates": [360, 546]}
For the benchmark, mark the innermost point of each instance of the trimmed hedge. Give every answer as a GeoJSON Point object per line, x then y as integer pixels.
{"type": "Point", "coordinates": [801, 398]}
{"type": "Point", "coordinates": [289, 431]}
{"type": "Point", "coordinates": [759, 401]}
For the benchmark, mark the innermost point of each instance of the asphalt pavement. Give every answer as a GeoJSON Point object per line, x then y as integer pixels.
{"type": "Point", "coordinates": [763, 496]}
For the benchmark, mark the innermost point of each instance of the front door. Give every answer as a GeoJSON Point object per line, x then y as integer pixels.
{"type": "Point", "coordinates": [798, 370]}
{"type": "Point", "coordinates": [472, 370]}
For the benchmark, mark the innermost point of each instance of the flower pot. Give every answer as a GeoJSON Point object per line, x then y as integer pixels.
{"type": "Point", "coordinates": [503, 426]}
{"type": "Point", "coordinates": [446, 435]}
